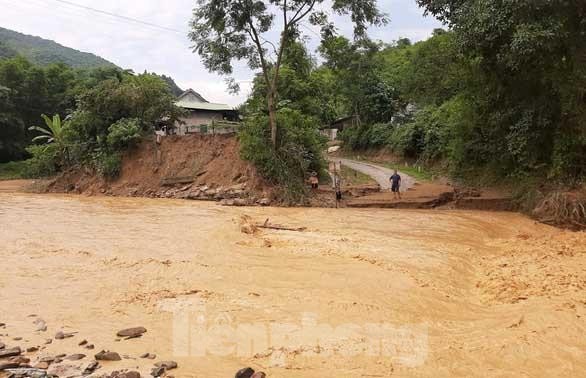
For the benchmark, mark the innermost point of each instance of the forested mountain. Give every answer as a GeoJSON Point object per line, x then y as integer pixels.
{"type": "Point", "coordinates": [172, 85]}
{"type": "Point", "coordinates": [43, 52]}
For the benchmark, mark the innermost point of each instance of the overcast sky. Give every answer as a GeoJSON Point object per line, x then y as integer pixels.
{"type": "Point", "coordinates": [139, 47]}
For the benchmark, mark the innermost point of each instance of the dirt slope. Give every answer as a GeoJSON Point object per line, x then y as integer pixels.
{"type": "Point", "coordinates": [198, 166]}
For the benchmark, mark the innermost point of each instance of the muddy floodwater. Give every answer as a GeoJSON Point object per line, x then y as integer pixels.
{"type": "Point", "coordinates": [359, 293]}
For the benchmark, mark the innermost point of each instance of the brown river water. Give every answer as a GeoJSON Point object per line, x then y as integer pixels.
{"type": "Point", "coordinates": [359, 293]}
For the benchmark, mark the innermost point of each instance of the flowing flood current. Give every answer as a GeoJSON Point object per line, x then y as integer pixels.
{"type": "Point", "coordinates": [357, 293]}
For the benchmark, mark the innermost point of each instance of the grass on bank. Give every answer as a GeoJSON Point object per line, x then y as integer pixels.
{"type": "Point", "coordinates": [355, 178]}
{"type": "Point", "coordinates": [14, 170]}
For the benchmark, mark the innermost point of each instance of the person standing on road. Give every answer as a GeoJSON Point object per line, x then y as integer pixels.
{"type": "Point", "coordinates": [396, 185]}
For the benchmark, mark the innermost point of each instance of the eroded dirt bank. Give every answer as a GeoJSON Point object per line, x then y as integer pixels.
{"type": "Point", "coordinates": [201, 167]}
{"type": "Point", "coordinates": [456, 293]}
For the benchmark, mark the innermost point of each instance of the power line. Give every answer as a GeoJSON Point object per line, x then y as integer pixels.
{"type": "Point", "coordinates": [121, 17]}
{"type": "Point", "coordinates": [309, 29]}
{"type": "Point", "coordinates": [63, 12]}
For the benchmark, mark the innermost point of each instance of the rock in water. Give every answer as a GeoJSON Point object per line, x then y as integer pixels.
{"type": "Point", "coordinates": [75, 357]}
{"type": "Point", "coordinates": [65, 370]}
{"type": "Point", "coordinates": [42, 365]}
{"type": "Point", "coordinates": [41, 325]}
{"type": "Point", "coordinates": [244, 373]}
{"type": "Point", "coordinates": [10, 352]}
{"type": "Point", "coordinates": [28, 373]}
{"type": "Point", "coordinates": [130, 374]}
{"type": "Point", "coordinates": [62, 335]}
{"type": "Point", "coordinates": [8, 365]}
{"type": "Point", "coordinates": [264, 202]}
{"type": "Point", "coordinates": [131, 332]}
{"type": "Point", "coordinates": [168, 365]}
{"type": "Point", "coordinates": [108, 356]}
{"type": "Point", "coordinates": [20, 360]}
{"type": "Point", "coordinates": [93, 366]}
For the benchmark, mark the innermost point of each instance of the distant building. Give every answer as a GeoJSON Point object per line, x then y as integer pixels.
{"type": "Point", "coordinates": [205, 117]}
{"type": "Point", "coordinates": [339, 125]}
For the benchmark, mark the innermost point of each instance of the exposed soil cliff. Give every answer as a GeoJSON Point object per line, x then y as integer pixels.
{"type": "Point", "coordinates": [193, 167]}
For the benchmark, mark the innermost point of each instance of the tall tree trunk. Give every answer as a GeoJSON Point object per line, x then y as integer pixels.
{"type": "Point", "coordinates": [273, 118]}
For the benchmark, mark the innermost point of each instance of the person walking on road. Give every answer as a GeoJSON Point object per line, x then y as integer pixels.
{"type": "Point", "coordinates": [396, 185]}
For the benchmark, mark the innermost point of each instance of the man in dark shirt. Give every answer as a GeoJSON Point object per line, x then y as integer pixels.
{"type": "Point", "coordinates": [396, 185]}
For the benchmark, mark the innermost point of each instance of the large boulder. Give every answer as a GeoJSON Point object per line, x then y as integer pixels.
{"type": "Point", "coordinates": [132, 332]}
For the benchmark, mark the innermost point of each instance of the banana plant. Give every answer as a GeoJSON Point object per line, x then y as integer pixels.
{"type": "Point", "coordinates": [53, 133]}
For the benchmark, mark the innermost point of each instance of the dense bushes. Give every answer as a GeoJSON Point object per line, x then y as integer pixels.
{"type": "Point", "coordinates": [430, 134]}
{"type": "Point", "coordinates": [124, 133]}
{"type": "Point", "coordinates": [299, 150]}
{"type": "Point", "coordinates": [44, 161]}
{"type": "Point", "coordinates": [110, 118]}
{"type": "Point", "coordinates": [106, 163]}
{"type": "Point", "coordinates": [481, 108]}
{"type": "Point", "coordinates": [105, 111]}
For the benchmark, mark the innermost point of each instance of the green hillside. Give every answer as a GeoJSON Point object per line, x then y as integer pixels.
{"type": "Point", "coordinates": [43, 52]}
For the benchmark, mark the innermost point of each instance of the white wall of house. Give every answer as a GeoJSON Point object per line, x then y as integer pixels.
{"type": "Point", "coordinates": [196, 119]}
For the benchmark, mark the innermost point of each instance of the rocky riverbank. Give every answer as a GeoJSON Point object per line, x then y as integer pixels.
{"type": "Point", "coordinates": [23, 358]}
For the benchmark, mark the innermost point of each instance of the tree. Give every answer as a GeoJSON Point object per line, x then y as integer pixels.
{"type": "Point", "coordinates": [531, 56]}
{"type": "Point", "coordinates": [228, 30]}
{"type": "Point", "coordinates": [359, 72]}
{"type": "Point", "coordinates": [12, 130]}
{"type": "Point", "coordinates": [53, 133]}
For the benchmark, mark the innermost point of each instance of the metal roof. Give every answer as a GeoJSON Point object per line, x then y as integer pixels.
{"type": "Point", "coordinates": [193, 100]}
{"type": "Point", "coordinates": [202, 106]}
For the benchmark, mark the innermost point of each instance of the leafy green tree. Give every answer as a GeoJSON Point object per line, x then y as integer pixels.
{"type": "Point", "coordinates": [299, 150]}
{"type": "Point", "coordinates": [302, 87]}
{"type": "Point", "coordinates": [436, 71]}
{"type": "Point", "coordinates": [359, 76]}
{"type": "Point", "coordinates": [532, 74]}
{"type": "Point", "coordinates": [12, 130]}
{"type": "Point", "coordinates": [226, 30]}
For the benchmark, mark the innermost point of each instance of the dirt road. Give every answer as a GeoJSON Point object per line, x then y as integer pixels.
{"type": "Point", "coordinates": [360, 293]}
{"type": "Point", "coordinates": [378, 173]}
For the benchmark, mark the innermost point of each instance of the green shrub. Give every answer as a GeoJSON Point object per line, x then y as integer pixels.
{"type": "Point", "coordinates": [124, 133]}
{"type": "Point", "coordinates": [108, 164]}
{"type": "Point", "coordinates": [408, 140]}
{"type": "Point", "coordinates": [367, 136]}
{"type": "Point", "coordinates": [44, 161]}
{"type": "Point", "coordinates": [13, 170]}
{"type": "Point", "coordinates": [299, 150]}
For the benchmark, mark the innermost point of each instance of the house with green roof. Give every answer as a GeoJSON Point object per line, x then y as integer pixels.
{"type": "Point", "coordinates": [205, 117]}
